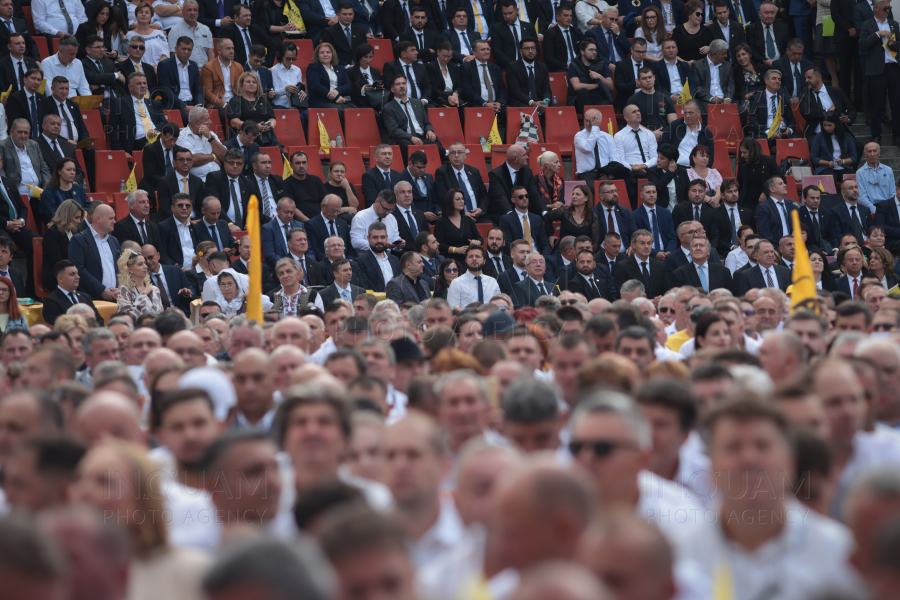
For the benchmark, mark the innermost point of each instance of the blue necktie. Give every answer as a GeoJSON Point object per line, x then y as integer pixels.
{"type": "Point", "coordinates": [221, 9]}
{"type": "Point", "coordinates": [169, 167]}
{"type": "Point", "coordinates": [470, 205]}
{"type": "Point", "coordinates": [702, 277]}
{"type": "Point", "coordinates": [387, 180]}
{"type": "Point", "coordinates": [612, 48]}
{"type": "Point", "coordinates": [770, 43]}
{"type": "Point", "coordinates": [412, 223]}
{"type": "Point", "coordinates": [480, 289]}
{"type": "Point", "coordinates": [787, 220]}
{"type": "Point", "coordinates": [35, 131]}
{"type": "Point", "coordinates": [654, 229]}
{"type": "Point", "coordinates": [214, 235]}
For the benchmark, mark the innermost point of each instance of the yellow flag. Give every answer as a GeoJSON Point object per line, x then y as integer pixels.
{"type": "Point", "coordinates": [776, 122]}
{"type": "Point", "coordinates": [90, 102]}
{"type": "Point", "coordinates": [494, 137]}
{"type": "Point", "coordinates": [35, 191]}
{"type": "Point", "coordinates": [723, 586]}
{"type": "Point", "coordinates": [609, 127]}
{"type": "Point", "coordinates": [293, 14]}
{"type": "Point", "coordinates": [131, 182]}
{"type": "Point", "coordinates": [803, 294]}
{"type": "Point", "coordinates": [821, 187]}
{"type": "Point", "coordinates": [5, 94]}
{"type": "Point", "coordinates": [43, 85]}
{"type": "Point", "coordinates": [536, 26]}
{"type": "Point", "coordinates": [288, 170]}
{"type": "Point", "coordinates": [254, 269]}
{"type": "Point", "coordinates": [324, 142]}
{"type": "Point", "coordinates": [685, 94]}
{"type": "Point", "coordinates": [892, 39]}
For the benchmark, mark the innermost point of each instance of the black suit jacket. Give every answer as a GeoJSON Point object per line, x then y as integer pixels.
{"type": "Point", "coordinates": [373, 182]}
{"type": "Point", "coordinates": [227, 240]}
{"type": "Point", "coordinates": [554, 44]}
{"type": "Point", "coordinates": [517, 83]}
{"type": "Point", "coordinates": [75, 111]}
{"type": "Point", "coordinates": [58, 303]}
{"type": "Point", "coordinates": [630, 269]}
{"type": "Point", "coordinates": [828, 226]}
{"type": "Point", "coordinates": [154, 163]}
{"type": "Point", "coordinates": [219, 185]}
{"type": "Point", "coordinates": [393, 19]}
{"type": "Point", "coordinates": [759, 113]}
{"type": "Point", "coordinates": [500, 191]}
{"type": "Point", "coordinates": [459, 52]}
{"type": "Point", "coordinates": [445, 179]}
{"type": "Point", "coordinates": [427, 202]}
{"type": "Point", "coordinates": [430, 40]}
{"type": "Point", "coordinates": [423, 82]}
{"type": "Point", "coordinates": [170, 184]}
{"type": "Point", "coordinates": [167, 73]}
{"type": "Point", "coordinates": [335, 36]}
{"type": "Point", "coordinates": [269, 283]}
{"type": "Point", "coordinates": [869, 42]}
{"type": "Point", "coordinates": [756, 39]}
{"type": "Point", "coordinates": [396, 122]}
{"type": "Point", "coordinates": [753, 277]}
{"type": "Point", "coordinates": [744, 217]}
{"type": "Point", "coordinates": [842, 15]}
{"type": "Point", "coordinates": [175, 280]}
{"type": "Point", "coordinates": [67, 150]}
{"type": "Point", "coordinates": [814, 116]}
{"type": "Point", "coordinates": [209, 12]}
{"type": "Point", "coordinates": [403, 226]}
{"type": "Point", "coordinates": [8, 74]}
{"type": "Point", "coordinates": [471, 84]}
{"type": "Point", "coordinates": [526, 293]}
{"type": "Point", "coordinates": [490, 268]}
{"type": "Point", "coordinates": [577, 285]}
{"type": "Point", "coordinates": [126, 68]}
{"type": "Point", "coordinates": [736, 35]}
{"type": "Point", "coordinates": [331, 293]}
{"type": "Point", "coordinates": [370, 271]}
{"type": "Point", "coordinates": [257, 36]}
{"type": "Point", "coordinates": [439, 93]}
{"type": "Point", "coordinates": [21, 26]}
{"type": "Point", "coordinates": [719, 277]}
{"type": "Point", "coordinates": [234, 144]}
{"type": "Point", "coordinates": [709, 218]}
{"type": "Point", "coordinates": [675, 132]}
{"type": "Point", "coordinates": [276, 184]}
{"type": "Point", "coordinates": [625, 82]}
{"type": "Point", "coordinates": [105, 76]}
{"type": "Point", "coordinates": [504, 46]}
{"type": "Point", "coordinates": [17, 107]}
{"type": "Point", "coordinates": [170, 242]}
{"type": "Point", "coordinates": [127, 229]}
{"type": "Point", "coordinates": [787, 74]}
{"type": "Point", "coordinates": [55, 248]}
{"type": "Point", "coordinates": [122, 121]}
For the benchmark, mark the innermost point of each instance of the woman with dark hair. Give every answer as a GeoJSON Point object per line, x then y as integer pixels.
{"type": "Point", "coordinates": [340, 186]}
{"type": "Point", "coordinates": [287, 79]}
{"type": "Point", "coordinates": [455, 230]}
{"type": "Point", "coordinates": [671, 179]}
{"type": "Point", "coordinates": [64, 225]}
{"type": "Point", "coordinates": [699, 160]}
{"type": "Point", "coordinates": [833, 150]}
{"type": "Point", "coordinates": [447, 272]}
{"type": "Point", "coordinates": [61, 187]}
{"type": "Point", "coordinates": [692, 37]}
{"type": "Point", "coordinates": [818, 260]}
{"type": "Point", "coordinates": [748, 80]}
{"type": "Point", "coordinates": [753, 169]}
{"type": "Point", "coordinates": [106, 21]}
{"type": "Point", "coordinates": [712, 331]}
{"type": "Point", "coordinates": [365, 78]}
{"type": "Point", "coordinates": [881, 265]}
{"type": "Point", "coordinates": [876, 237]}
{"type": "Point", "coordinates": [576, 219]}
{"type": "Point", "coordinates": [269, 14]}
{"type": "Point", "coordinates": [652, 29]}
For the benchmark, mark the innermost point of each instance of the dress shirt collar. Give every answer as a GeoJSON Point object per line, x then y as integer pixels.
{"type": "Point", "coordinates": [537, 283]}
{"type": "Point", "coordinates": [49, 141]}
{"type": "Point", "coordinates": [699, 265]}
{"type": "Point", "coordinates": [849, 206]}
{"type": "Point", "coordinates": [480, 64]}
{"type": "Point", "coordinates": [136, 220]}
{"type": "Point", "coordinates": [96, 235]}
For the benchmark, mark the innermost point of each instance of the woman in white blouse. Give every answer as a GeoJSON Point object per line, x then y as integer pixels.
{"type": "Point", "coordinates": [286, 76]}
{"type": "Point", "coordinates": [169, 12]}
{"type": "Point", "coordinates": [586, 13]}
{"type": "Point", "coordinates": [653, 30]}
{"type": "Point", "coordinates": [155, 40]}
{"type": "Point", "coordinates": [700, 170]}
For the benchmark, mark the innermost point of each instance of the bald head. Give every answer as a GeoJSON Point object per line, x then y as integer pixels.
{"type": "Point", "coordinates": [108, 415]}
{"type": "Point", "coordinates": [782, 354]}
{"type": "Point", "coordinates": [561, 581]}
{"type": "Point", "coordinates": [480, 467]}
{"type": "Point", "coordinates": [292, 331]}
{"type": "Point", "coordinates": [189, 347]}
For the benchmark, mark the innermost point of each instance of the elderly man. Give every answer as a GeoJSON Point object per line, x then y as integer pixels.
{"type": "Point", "coordinates": [137, 225]}
{"type": "Point", "coordinates": [714, 75]}
{"type": "Point", "coordinates": [213, 228]}
{"type": "Point", "coordinates": [534, 285]}
{"type": "Point", "coordinates": [328, 224]}
{"type": "Point", "coordinates": [409, 286]}
{"type": "Point", "coordinates": [203, 143]}
{"type": "Point", "coordinates": [766, 274]}
{"type": "Point", "coordinates": [202, 47]}
{"type": "Point", "coordinates": [876, 181]}
{"type": "Point", "coordinates": [22, 162]}
{"type": "Point", "coordinates": [701, 273]}
{"type": "Point", "coordinates": [134, 119]}
{"type": "Point", "coordinates": [94, 252]}
{"type": "Point", "coordinates": [765, 104]}
{"type": "Point", "coordinates": [410, 220]}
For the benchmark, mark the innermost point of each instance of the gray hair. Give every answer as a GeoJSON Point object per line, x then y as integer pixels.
{"type": "Point", "coordinates": [632, 286]}
{"type": "Point", "coordinates": [98, 333]}
{"type": "Point", "coordinates": [120, 321]}
{"type": "Point", "coordinates": [386, 305]}
{"type": "Point", "coordinates": [133, 196]}
{"type": "Point", "coordinates": [242, 320]}
{"type": "Point", "coordinates": [26, 550]}
{"type": "Point", "coordinates": [530, 401]}
{"type": "Point", "coordinates": [83, 310]}
{"type": "Point", "coordinates": [328, 197]}
{"type": "Point", "coordinates": [140, 38]}
{"type": "Point", "coordinates": [609, 9]}
{"type": "Point", "coordinates": [717, 46]}
{"type": "Point", "coordinates": [771, 72]}
{"type": "Point", "coordinates": [400, 184]}
{"type": "Point", "coordinates": [883, 482]}
{"type": "Point", "coordinates": [185, 2]}
{"type": "Point", "coordinates": [215, 334]}
{"type": "Point", "coordinates": [371, 342]}
{"type": "Point", "coordinates": [551, 303]}
{"type": "Point", "coordinates": [615, 403]}
{"type": "Point", "coordinates": [282, 200]}
{"type": "Point", "coordinates": [333, 240]}
{"type": "Point", "coordinates": [287, 260]}
{"type": "Point", "coordinates": [639, 302]}
{"type": "Point", "coordinates": [198, 112]}
{"type": "Point", "coordinates": [454, 377]}
{"type": "Point", "coordinates": [68, 41]}
{"type": "Point", "coordinates": [416, 315]}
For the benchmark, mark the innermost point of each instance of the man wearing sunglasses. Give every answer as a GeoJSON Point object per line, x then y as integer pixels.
{"type": "Point", "coordinates": [519, 224]}
{"type": "Point", "coordinates": [135, 63]}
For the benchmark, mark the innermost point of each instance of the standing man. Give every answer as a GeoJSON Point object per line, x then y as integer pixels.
{"type": "Point", "coordinates": [132, 118]}
{"type": "Point", "coordinates": [715, 77]}
{"type": "Point", "coordinates": [626, 73]}
{"type": "Point", "coordinates": [459, 36]}
{"type": "Point", "coordinates": [888, 218]}
{"type": "Point", "coordinates": [657, 220]}
{"type": "Point", "coordinates": [199, 34]}
{"type": "Point", "coordinates": [244, 35]}
{"type": "Point", "coordinates": [94, 252]}
{"type": "Point", "coordinates": [882, 73]}
{"type": "Point", "coordinates": [519, 224]}
{"type": "Point", "coordinates": [820, 220]}
{"type": "Point", "coordinates": [673, 73]}
{"type": "Point", "coordinates": [529, 80]}
{"type": "Point", "coordinates": [817, 99]}
{"type": "Point", "coordinates": [773, 216]}
{"type": "Point", "coordinates": [425, 38]}
{"type": "Point", "coordinates": [767, 39]}
{"type": "Point", "coordinates": [596, 152]}
{"type": "Point", "coordinates": [158, 161]}
{"type": "Point", "coordinates": [472, 286]}
{"type": "Point", "coordinates": [344, 35]}
{"type": "Point", "coordinates": [63, 64]}
{"type": "Point", "coordinates": [406, 120]}
{"type": "Point", "coordinates": [637, 145]}
{"type": "Point", "coordinates": [245, 141]}
{"type": "Point", "coordinates": [57, 19]}
{"type": "Point", "coordinates": [852, 217]}
{"type": "Point", "coordinates": [640, 266]}
{"type": "Point", "coordinates": [874, 179]}
{"type": "Point", "coordinates": [728, 30]}
{"type": "Point", "coordinates": [846, 38]}
{"type": "Point", "coordinates": [507, 34]}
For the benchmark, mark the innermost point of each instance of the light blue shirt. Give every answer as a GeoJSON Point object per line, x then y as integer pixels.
{"type": "Point", "coordinates": [875, 184]}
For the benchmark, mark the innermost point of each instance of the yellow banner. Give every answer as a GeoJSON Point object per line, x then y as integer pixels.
{"type": "Point", "coordinates": [685, 94]}
{"type": "Point", "coordinates": [324, 142]}
{"type": "Point", "coordinates": [288, 171]}
{"type": "Point", "coordinates": [88, 102]}
{"type": "Point", "coordinates": [803, 285]}
{"type": "Point", "coordinates": [42, 87]}
{"type": "Point", "coordinates": [776, 122]}
{"type": "Point", "coordinates": [494, 137]}
{"type": "Point", "coordinates": [131, 182]}
{"type": "Point", "coordinates": [5, 94]}
{"type": "Point", "coordinates": [254, 269]}
{"type": "Point", "coordinates": [293, 14]}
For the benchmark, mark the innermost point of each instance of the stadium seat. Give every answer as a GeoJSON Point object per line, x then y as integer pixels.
{"type": "Point", "coordinates": [801, 122]}
{"type": "Point", "coordinates": [112, 170]}
{"type": "Point", "coordinates": [609, 116]}
{"type": "Point", "coordinates": [446, 125]}
{"type": "Point", "coordinates": [479, 122]}
{"type": "Point", "coordinates": [102, 197]}
{"type": "Point", "coordinates": [26, 10]}
{"type": "Point", "coordinates": [54, 45]}
{"type": "Point", "coordinates": [290, 127]}
{"type": "Point", "coordinates": [559, 86]}
{"type": "Point", "coordinates": [764, 147]}
{"type": "Point", "coordinates": [120, 205]}
{"type": "Point", "coordinates": [37, 245]}
{"type": "Point", "coordinates": [352, 159]}
{"type": "Point", "coordinates": [475, 158]}
{"type": "Point", "coordinates": [434, 157]}
{"type": "Point", "coordinates": [43, 48]}
{"type": "Point", "coordinates": [362, 130]}
{"type": "Point", "coordinates": [384, 53]}
{"type": "Point", "coordinates": [723, 160]}
{"type": "Point", "coordinates": [483, 229]}
{"type": "Point", "coordinates": [792, 189]}
{"type": "Point", "coordinates": [95, 129]}
{"type": "Point", "coordinates": [562, 125]}
{"type": "Point", "coordinates": [216, 125]}
{"type": "Point", "coordinates": [305, 50]}
{"type": "Point", "coordinates": [827, 182]}
{"type": "Point", "coordinates": [315, 161]}
{"type": "Point", "coordinates": [330, 120]}
{"type": "Point", "coordinates": [725, 125]}
{"type": "Point", "coordinates": [514, 123]}
{"type": "Point", "coordinates": [640, 200]}
{"type": "Point", "coordinates": [174, 116]}
{"type": "Point", "coordinates": [536, 151]}
{"type": "Point", "coordinates": [791, 148]}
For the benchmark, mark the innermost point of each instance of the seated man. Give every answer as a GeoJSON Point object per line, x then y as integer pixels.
{"type": "Point", "coordinates": [765, 105]}
{"type": "Point", "coordinates": [527, 291]}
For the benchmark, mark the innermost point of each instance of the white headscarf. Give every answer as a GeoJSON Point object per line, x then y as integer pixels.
{"type": "Point", "coordinates": [215, 383]}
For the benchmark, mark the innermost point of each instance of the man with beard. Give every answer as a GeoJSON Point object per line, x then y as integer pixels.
{"type": "Point", "coordinates": [377, 266]}
{"type": "Point", "coordinates": [497, 261]}
{"type": "Point", "coordinates": [588, 282]}
{"type": "Point", "coordinates": [472, 286]}
{"type": "Point", "coordinates": [427, 246]}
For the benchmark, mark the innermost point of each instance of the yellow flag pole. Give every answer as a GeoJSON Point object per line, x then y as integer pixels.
{"type": "Point", "coordinates": [803, 285]}
{"type": "Point", "coordinates": [254, 269]}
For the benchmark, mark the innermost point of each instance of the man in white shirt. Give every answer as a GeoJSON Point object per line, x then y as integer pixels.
{"type": "Point", "coordinates": [381, 211]}
{"type": "Point", "coordinates": [100, 229]}
{"type": "Point", "coordinates": [63, 64]}
{"type": "Point", "coordinates": [473, 286]}
{"type": "Point", "coordinates": [637, 146]}
{"type": "Point", "coordinates": [57, 18]}
{"type": "Point", "coordinates": [592, 144]}
{"type": "Point", "coordinates": [203, 143]}
{"type": "Point", "coordinates": [740, 256]}
{"type": "Point", "coordinates": [670, 62]}
{"type": "Point", "coordinates": [179, 233]}
{"type": "Point", "coordinates": [202, 51]}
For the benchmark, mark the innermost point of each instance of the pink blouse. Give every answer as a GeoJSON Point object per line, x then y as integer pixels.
{"type": "Point", "coordinates": [713, 179]}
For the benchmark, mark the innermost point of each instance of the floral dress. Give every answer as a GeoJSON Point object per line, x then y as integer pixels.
{"type": "Point", "coordinates": [713, 179]}
{"type": "Point", "coordinates": [752, 83]}
{"type": "Point", "coordinates": [135, 303]}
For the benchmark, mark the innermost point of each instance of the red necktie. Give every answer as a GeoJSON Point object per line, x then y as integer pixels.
{"type": "Point", "coordinates": [610, 225]}
{"type": "Point", "coordinates": [855, 287]}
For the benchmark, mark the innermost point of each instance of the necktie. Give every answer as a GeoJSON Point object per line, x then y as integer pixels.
{"type": "Point", "coordinates": [65, 14]}
{"type": "Point", "coordinates": [470, 205]}
{"type": "Point", "coordinates": [637, 138]}
{"type": "Point", "coordinates": [612, 268]}
{"type": "Point", "coordinates": [162, 291]}
{"type": "Point", "coordinates": [13, 214]}
{"type": "Point", "coordinates": [169, 166]}
{"type": "Point", "coordinates": [331, 225]}
{"type": "Point", "coordinates": [478, 25]}
{"type": "Point", "coordinates": [855, 224]}
{"type": "Point", "coordinates": [734, 240]}
{"type": "Point", "coordinates": [73, 298]}
{"type": "Point", "coordinates": [56, 151]}
{"type": "Point", "coordinates": [65, 115]}
{"type": "Point", "coordinates": [184, 182]}
{"type": "Point", "coordinates": [817, 233]}
{"type": "Point", "coordinates": [654, 229]}
{"type": "Point", "coordinates": [593, 287]}
{"type": "Point", "coordinates": [434, 264]}
{"type": "Point", "coordinates": [855, 287]}
{"type": "Point", "coordinates": [515, 32]}
{"type": "Point", "coordinates": [702, 275]}
{"type": "Point", "coordinates": [302, 262]}
{"type": "Point", "coordinates": [610, 221]}
{"type": "Point", "coordinates": [9, 26]}
{"type": "Point", "coordinates": [770, 43]}
{"type": "Point", "coordinates": [412, 223]}
{"type": "Point", "coordinates": [221, 9]}
{"type": "Point", "coordinates": [236, 201]}
{"type": "Point", "coordinates": [480, 289]}
{"type": "Point", "coordinates": [487, 82]}
{"type": "Point", "coordinates": [637, 67]}
{"type": "Point", "coordinates": [542, 289]}
{"type": "Point", "coordinates": [697, 213]}
{"type": "Point", "coordinates": [818, 100]}
{"type": "Point", "coordinates": [137, 67]}
{"type": "Point", "coordinates": [532, 85]}
{"type": "Point", "coordinates": [145, 120]}
{"type": "Point", "coordinates": [526, 232]}
{"type": "Point", "coordinates": [246, 37]}
{"type": "Point", "coordinates": [412, 129]}
{"type": "Point", "coordinates": [349, 37]}
{"type": "Point", "coordinates": [612, 46]}
{"type": "Point", "coordinates": [143, 232]}
{"type": "Point", "coordinates": [214, 236]}
{"type": "Point", "coordinates": [21, 75]}
{"type": "Point", "coordinates": [797, 81]}
{"type": "Point", "coordinates": [521, 275]}
{"type": "Point", "coordinates": [287, 229]}
{"type": "Point", "coordinates": [769, 282]}
{"type": "Point", "coordinates": [739, 13]}
{"type": "Point", "coordinates": [34, 116]}
{"type": "Point", "coordinates": [465, 38]}
{"type": "Point", "coordinates": [787, 220]}
{"type": "Point", "coordinates": [570, 49]}
{"type": "Point", "coordinates": [345, 294]}
{"type": "Point", "coordinates": [597, 164]}
{"type": "Point", "coordinates": [444, 11]}
{"type": "Point", "coordinates": [646, 275]}
{"type": "Point", "coordinates": [387, 180]}
{"type": "Point", "coordinates": [265, 194]}
{"type": "Point", "coordinates": [405, 15]}
{"type": "Point", "coordinates": [499, 265]}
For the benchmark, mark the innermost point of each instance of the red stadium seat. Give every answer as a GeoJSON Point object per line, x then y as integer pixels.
{"type": "Point", "coordinates": [641, 182]}
{"type": "Point", "coordinates": [330, 120]}
{"type": "Point", "coordinates": [792, 188]}
{"type": "Point", "coordinates": [37, 245]}
{"type": "Point", "coordinates": [362, 130]}
{"type": "Point", "coordinates": [536, 151]}
{"type": "Point", "coordinates": [54, 46]}
{"type": "Point", "coordinates": [609, 116]}
{"type": "Point", "coordinates": [725, 125]}
{"type": "Point", "coordinates": [43, 48]}
{"type": "Point", "coordinates": [793, 147]}
{"type": "Point", "coordinates": [764, 147]}
{"type": "Point", "coordinates": [104, 198]}
{"type": "Point", "coordinates": [384, 53]}
{"type": "Point", "coordinates": [95, 129]}
{"type": "Point", "coordinates": [174, 116]}
{"type": "Point", "coordinates": [483, 229]}
{"type": "Point", "coordinates": [352, 159]}
{"type": "Point", "coordinates": [26, 10]}
{"type": "Point", "coordinates": [723, 161]}
{"type": "Point", "coordinates": [216, 125]}
{"type": "Point", "coordinates": [290, 127]}
{"type": "Point", "coordinates": [559, 86]}
{"type": "Point", "coordinates": [514, 123]}
{"type": "Point", "coordinates": [475, 158]}
{"type": "Point", "coordinates": [479, 122]}
{"type": "Point", "coordinates": [434, 157]}
{"type": "Point", "coordinates": [30, 222]}
{"type": "Point", "coordinates": [120, 205]}
{"type": "Point", "coordinates": [112, 170]}
{"type": "Point", "coordinates": [305, 51]}
{"type": "Point", "coordinates": [562, 125]}
{"type": "Point", "coordinates": [446, 125]}
{"type": "Point", "coordinates": [801, 122]}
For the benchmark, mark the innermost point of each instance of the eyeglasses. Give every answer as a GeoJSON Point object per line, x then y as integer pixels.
{"type": "Point", "coordinates": [666, 309]}
{"type": "Point", "coordinates": [522, 196]}
{"type": "Point", "coordinates": [289, 58]}
{"type": "Point", "coordinates": [749, 313]}
{"type": "Point", "coordinates": [136, 47]}
{"type": "Point", "coordinates": [386, 209]}
{"type": "Point", "coordinates": [536, 262]}
{"type": "Point", "coordinates": [235, 163]}
{"type": "Point", "coordinates": [188, 159]}
{"type": "Point", "coordinates": [599, 448]}
{"type": "Point", "coordinates": [183, 206]}
{"type": "Point", "coordinates": [883, 327]}
{"type": "Point", "coordinates": [571, 301]}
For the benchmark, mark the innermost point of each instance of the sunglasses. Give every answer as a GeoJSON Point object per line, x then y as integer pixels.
{"type": "Point", "coordinates": [136, 47]}
{"type": "Point", "coordinates": [522, 196]}
{"type": "Point", "coordinates": [698, 14]}
{"type": "Point", "coordinates": [571, 301]}
{"type": "Point", "coordinates": [666, 309]}
{"type": "Point", "coordinates": [600, 449]}
{"type": "Point", "coordinates": [883, 327]}
{"type": "Point", "coordinates": [451, 270]}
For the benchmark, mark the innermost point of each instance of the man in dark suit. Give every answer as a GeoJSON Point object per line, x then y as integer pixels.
{"type": "Point", "coordinates": [72, 126]}
{"type": "Point", "coordinates": [414, 71]}
{"type": "Point", "coordinates": [244, 34]}
{"type": "Point", "coordinates": [55, 148]}
{"type": "Point", "coordinates": [158, 160]}
{"type": "Point", "coordinates": [128, 114]}
{"type": "Point", "coordinates": [13, 216]}
{"type": "Point", "coordinates": [169, 71]}
{"type": "Point", "coordinates": [457, 174]}
{"type": "Point", "coordinates": [732, 216]}
{"type": "Point", "coordinates": [640, 266]}
{"type": "Point", "coordinates": [561, 42]}
{"type": "Point", "coordinates": [677, 129]}
{"type": "Point", "coordinates": [497, 260]}
{"type": "Point", "coordinates": [514, 171]}
{"type": "Point", "coordinates": [882, 78]}
{"type": "Point", "coordinates": [327, 224]}
{"type": "Point", "coordinates": [508, 33]}
{"type": "Point", "coordinates": [586, 281]}
{"type": "Point", "coordinates": [714, 275]}
{"type": "Point", "coordinates": [813, 102]}
{"type": "Point", "coordinates": [762, 111]}
{"type": "Point", "coordinates": [231, 188]}
{"type": "Point", "coordinates": [765, 274]}
{"type": "Point", "coordinates": [100, 72]}
{"type": "Point", "coordinates": [137, 225]}
{"type": "Point", "coordinates": [266, 186]}
{"type": "Point", "coordinates": [626, 74]}
{"type": "Point", "coordinates": [273, 235]}
{"type": "Point", "coordinates": [177, 234]}
{"type": "Point", "coordinates": [342, 276]}
{"type": "Point", "coordinates": [98, 271]}
{"type": "Point", "coordinates": [245, 141]}
{"type": "Point", "coordinates": [608, 259]}
{"type": "Point", "coordinates": [174, 182]}
{"type": "Point", "coordinates": [298, 249]}
{"type": "Point", "coordinates": [608, 208]}
{"type": "Point", "coordinates": [213, 228]}
{"type": "Point", "coordinates": [773, 216]}
{"type": "Point", "coordinates": [822, 223]}
{"type": "Point", "coordinates": [473, 76]}
{"type": "Point", "coordinates": [728, 30]}
{"type": "Point", "coordinates": [852, 265]}
{"type": "Point", "coordinates": [425, 38]}
{"type": "Point", "coordinates": [527, 291]}
{"type": "Point", "coordinates": [461, 39]}
{"type": "Point", "coordinates": [410, 285]}
{"type": "Point", "coordinates": [370, 268]}
{"type": "Point", "coordinates": [513, 223]}
{"type": "Point", "coordinates": [612, 42]}
{"type": "Point", "coordinates": [66, 294]}
{"type": "Point", "coordinates": [376, 179]}
{"type": "Point", "coordinates": [705, 93]}
{"type": "Point", "coordinates": [174, 289]}
{"type": "Point", "coordinates": [410, 221]}
{"type": "Point", "coordinates": [887, 216]}
{"type": "Point", "coordinates": [849, 65]}
{"type": "Point", "coordinates": [395, 17]}
{"type": "Point", "coordinates": [711, 220]}
{"type": "Point", "coordinates": [136, 51]}
{"type": "Point", "coordinates": [767, 39]}
{"type": "Point", "coordinates": [7, 247]}
{"type": "Point", "coordinates": [529, 80]}
{"type": "Point", "coordinates": [255, 64]}
{"type": "Point", "coordinates": [424, 197]}
{"type": "Point", "coordinates": [793, 67]}
{"type": "Point", "coordinates": [337, 34]}
{"type": "Point", "coordinates": [16, 63]}
{"type": "Point", "coordinates": [852, 217]}
{"type": "Point", "coordinates": [742, 11]}
{"type": "Point", "coordinates": [406, 119]}
{"type": "Point", "coordinates": [657, 220]}
{"type": "Point", "coordinates": [269, 283]}
{"type": "Point", "coordinates": [15, 24]}
{"type": "Point", "coordinates": [664, 82]}
{"type": "Point", "coordinates": [427, 245]}
{"type": "Point", "coordinates": [215, 15]}
{"type": "Point", "coordinates": [28, 104]}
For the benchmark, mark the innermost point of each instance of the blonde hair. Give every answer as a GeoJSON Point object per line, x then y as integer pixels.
{"type": "Point", "coordinates": [546, 157]}
{"type": "Point", "coordinates": [334, 57]}
{"type": "Point", "coordinates": [126, 260]}
{"type": "Point", "coordinates": [64, 215]}
{"type": "Point", "coordinates": [203, 249]}
{"type": "Point", "coordinates": [67, 323]}
{"type": "Point", "coordinates": [240, 84]}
